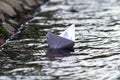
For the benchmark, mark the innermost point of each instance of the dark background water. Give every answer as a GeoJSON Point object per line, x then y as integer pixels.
{"type": "Point", "coordinates": [97, 45]}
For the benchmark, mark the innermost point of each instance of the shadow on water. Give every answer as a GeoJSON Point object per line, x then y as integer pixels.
{"type": "Point", "coordinates": [54, 54]}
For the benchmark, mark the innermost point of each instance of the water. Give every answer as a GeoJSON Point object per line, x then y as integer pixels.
{"type": "Point", "coordinates": [97, 45]}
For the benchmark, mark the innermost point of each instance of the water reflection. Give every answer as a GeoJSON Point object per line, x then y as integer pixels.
{"type": "Point", "coordinates": [54, 54]}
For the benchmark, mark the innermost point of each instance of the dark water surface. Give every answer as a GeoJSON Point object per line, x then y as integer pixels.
{"type": "Point", "coordinates": [97, 45]}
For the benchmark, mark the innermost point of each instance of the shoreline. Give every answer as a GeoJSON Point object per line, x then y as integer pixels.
{"type": "Point", "coordinates": [15, 13]}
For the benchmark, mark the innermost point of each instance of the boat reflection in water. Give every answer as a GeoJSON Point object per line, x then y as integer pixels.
{"type": "Point", "coordinates": [61, 45]}
{"type": "Point", "coordinates": [54, 54]}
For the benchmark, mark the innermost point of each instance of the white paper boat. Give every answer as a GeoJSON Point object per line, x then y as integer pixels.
{"type": "Point", "coordinates": [64, 40]}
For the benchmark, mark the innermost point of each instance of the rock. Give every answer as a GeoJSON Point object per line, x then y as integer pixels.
{"type": "Point", "coordinates": [31, 2]}
{"type": "Point", "coordinates": [2, 41]}
{"type": "Point", "coordinates": [26, 7]}
{"type": "Point", "coordinates": [16, 12]}
{"type": "Point", "coordinates": [15, 4]}
{"type": "Point", "coordinates": [8, 28]}
{"type": "Point", "coordinates": [7, 9]}
{"type": "Point", "coordinates": [2, 17]}
{"type": "Point", "coordinates": [13, 22]}
{"type": "Point", "coordinates": [28, 16]}
{"type": "Point", "coordinates": [39, 1]}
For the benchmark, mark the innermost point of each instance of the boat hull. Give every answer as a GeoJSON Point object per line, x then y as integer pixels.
{"type": "Point", "coordinates": [57, 42]}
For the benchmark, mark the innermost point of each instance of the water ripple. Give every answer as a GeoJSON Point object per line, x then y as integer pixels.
{"type": "Point", "coordinates": [97, 51]}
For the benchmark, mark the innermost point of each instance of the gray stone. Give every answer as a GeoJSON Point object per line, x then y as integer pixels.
{"type": "Point", "coordinates": [31, 2]}
{"type": "Point", "coordinates": [15, 4]}
{"type": "Point", "coordinates": [2, 17]}
{"type": "Point", "coordinates": [7, 9]}
{"type": "Point", "coordinates": [13, 22]}
{"type": "Point", "coordinates": [8, 28]}
{"type": "Point", "coordinates": [39, 1]}
{"type": "Point", "coordinates": [25, 6]}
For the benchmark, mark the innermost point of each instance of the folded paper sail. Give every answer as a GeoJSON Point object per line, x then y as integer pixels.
{"type": "Point", "coordinates": [64, 40]}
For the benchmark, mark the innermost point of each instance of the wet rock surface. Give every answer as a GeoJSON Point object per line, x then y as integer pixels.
{"type": "Point", "coordinates": [97, 45]}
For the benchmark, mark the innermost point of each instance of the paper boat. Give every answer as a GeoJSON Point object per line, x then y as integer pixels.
{"type": "Point", "coordinates": [64, 40]}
